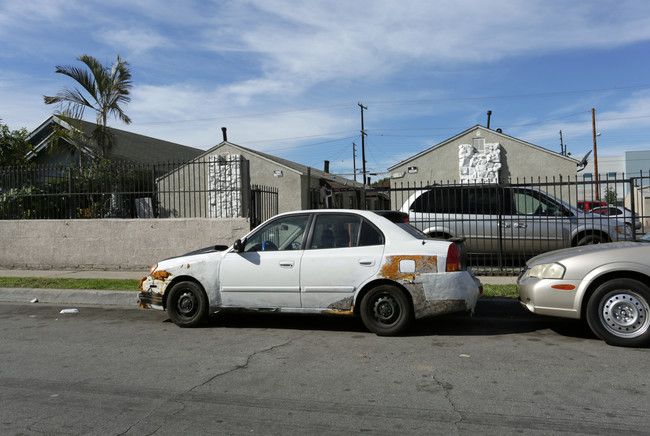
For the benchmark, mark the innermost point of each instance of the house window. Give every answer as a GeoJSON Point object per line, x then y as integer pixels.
{"type": "Point", "coordinates": [611, 175]}
{"type": "Point", "coordinates": [587, 176]}
{"type": "Point", "coordinates": [479, 144]}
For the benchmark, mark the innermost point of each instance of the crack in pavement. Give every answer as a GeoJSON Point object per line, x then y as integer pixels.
{"type": "Point", "coordinates": [248, 360]}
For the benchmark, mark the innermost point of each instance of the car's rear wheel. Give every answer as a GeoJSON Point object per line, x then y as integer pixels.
{"type": "Point", "coordinates": [386, 310]}
{"type": "Point", "coordinates": [618, 310]}
{"type": "Point", "coordinates": [187, 304]}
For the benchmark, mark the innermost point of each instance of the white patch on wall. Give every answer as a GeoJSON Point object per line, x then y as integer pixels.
{"type": "Point", "coordinates": [479, 166]}
{"type": "Point", "coordinates": [225, 186]}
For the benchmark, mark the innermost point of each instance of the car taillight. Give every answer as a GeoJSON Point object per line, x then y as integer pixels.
{"type": "Point", "coordinates": [453, 259]}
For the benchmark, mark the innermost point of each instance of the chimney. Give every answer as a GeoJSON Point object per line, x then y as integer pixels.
{"type": "Point", "coordinates": [225, 135]}
{"type": "Point", "coordinates": [489, 114]}
{"type": "Point", "coordinates": [327, 166]}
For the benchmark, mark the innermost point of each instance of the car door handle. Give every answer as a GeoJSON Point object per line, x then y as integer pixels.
{"type": "Point", "coordinates": [506, 225]}
{"type": "Point", "coordinates": [287, 263]}
{"type": "Point", "coordinates": [367, 262]}
{"type": "Point", "coordinates": [520, 225]}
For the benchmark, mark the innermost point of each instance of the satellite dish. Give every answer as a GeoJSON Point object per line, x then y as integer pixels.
{"type": "Point", "coordinates": [583, 162]}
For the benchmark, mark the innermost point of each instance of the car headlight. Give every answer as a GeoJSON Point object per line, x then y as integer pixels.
{"type": "Point", "coordinates": [547, 271]}
{"type": "Point", "coordinates": [153, 268]}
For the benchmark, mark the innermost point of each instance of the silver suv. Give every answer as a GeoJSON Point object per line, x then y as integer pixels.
{"type": "Point", "coordinates": [508, 220]}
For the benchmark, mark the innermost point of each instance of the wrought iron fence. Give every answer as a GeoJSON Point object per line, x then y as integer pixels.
{"type": "Point", "coordinates": [503, 225]}
{"type": "Point", "coordinates": [124, 190]}
{"type": "Point", "coordinates": [506, 224]}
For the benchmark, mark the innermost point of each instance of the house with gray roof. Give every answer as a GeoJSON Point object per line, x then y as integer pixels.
{"type": "Point", "coordinates": [128, 147]}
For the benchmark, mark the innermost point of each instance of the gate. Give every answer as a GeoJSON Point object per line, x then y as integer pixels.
{"type": "Point", "coordinates": [263, 204]}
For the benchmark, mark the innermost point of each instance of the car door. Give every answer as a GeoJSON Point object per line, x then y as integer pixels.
{"type": "Point", "coordinates": [345, 250]}
{"type": "Point", "coordinates": [266, 272]}
{"type": "Point", "coordinates": [537, 223]}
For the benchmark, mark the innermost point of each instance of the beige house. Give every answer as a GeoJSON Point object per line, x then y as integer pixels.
{"type": "Point", "coordinates": [214, 177]}
{"type": "Point", "coordinates": [481, 155]}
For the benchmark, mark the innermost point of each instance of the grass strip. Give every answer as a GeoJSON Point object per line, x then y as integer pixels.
{"type": "Point", "coordinates": [489, 291]}
{"type": "Point", "coordinates": [500, 291]}
{"type": "Point", "coordinates": [67, 283]}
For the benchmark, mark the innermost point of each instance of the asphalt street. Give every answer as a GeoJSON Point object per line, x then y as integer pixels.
{"type": "Point", "coordinates": [127, 371]}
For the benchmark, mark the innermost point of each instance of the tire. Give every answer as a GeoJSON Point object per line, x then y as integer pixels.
{"type": "Point", "coordinates": [618, 313]}
{"type": "Point", "coordinates": [591, 239]}
{"type": "Point", "coordinates": [187, 304]}
{"type": "Point", "coordinates": [386, 310]}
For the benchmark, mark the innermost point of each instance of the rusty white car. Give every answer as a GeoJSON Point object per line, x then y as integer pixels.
{"type": "Point", "coordinates": [606, 284]}
{"type": "Point", "coordinates": [339, 262]}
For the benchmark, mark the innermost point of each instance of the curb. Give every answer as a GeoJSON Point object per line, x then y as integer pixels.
{"type": "Point", "coordinates": [69, 296]}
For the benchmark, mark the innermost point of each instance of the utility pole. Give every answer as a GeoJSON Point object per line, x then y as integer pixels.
{"type": "Point", "coordinates": [354, 160]}
{"type": "Point", "coordinates": [593, 126]}
{"type": "Point", "coordinates": [562, 150]}
{"type": "Point", "coordinates": [363, 143]}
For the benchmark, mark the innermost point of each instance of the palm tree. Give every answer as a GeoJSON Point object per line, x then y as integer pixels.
{"type": "Point", "coordinates": [107, 88]}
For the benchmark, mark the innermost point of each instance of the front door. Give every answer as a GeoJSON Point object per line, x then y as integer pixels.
{"type": "Point", "coordinates": [266, 273]}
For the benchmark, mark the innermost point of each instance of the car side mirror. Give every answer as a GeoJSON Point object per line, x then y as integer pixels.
{"type": "Point", "coordinates": [238, 246]}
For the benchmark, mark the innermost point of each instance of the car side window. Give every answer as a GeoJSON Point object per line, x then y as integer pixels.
{"type": "Point", "coordinates": [481, 200]}
{"type": "Point", "coordinates": [460, 200]}
{"type": "Point", "coordinates": [532, 203]}
{"type": "Point", "coordinates": [341, 231]}
{"type": "Point", "coordinates": [436, 200]}
{"type": "Point", "coordinates": [281, 234]}
{"type": "Point", "coordinates": [369, 235]}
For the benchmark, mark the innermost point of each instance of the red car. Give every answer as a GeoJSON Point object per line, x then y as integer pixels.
{"type": "Point", "coordinates": [588, 205]}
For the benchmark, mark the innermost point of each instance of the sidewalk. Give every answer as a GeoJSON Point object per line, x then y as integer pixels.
{"type": "Point", "coordinates": [103, 297]}
{"type": "Point", "coordinates": [71, 296]}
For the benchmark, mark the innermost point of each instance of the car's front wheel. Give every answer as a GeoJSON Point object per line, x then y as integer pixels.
{"type": "Point", "coordinates": [617, 312]}
{"type": "Point", "coordinates": [591, 240]}
{"type": "Point", "coordinates": [386, 310]}
{"type": "Point", "coordinates": [187, 304]}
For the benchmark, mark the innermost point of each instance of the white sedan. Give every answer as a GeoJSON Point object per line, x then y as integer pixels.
{"type": "Point", "coordinates": [340, 262]}
{"type": "Point", "coordinates": [606, 284]}
{"type": "Point", "coordinates": [620, 213]}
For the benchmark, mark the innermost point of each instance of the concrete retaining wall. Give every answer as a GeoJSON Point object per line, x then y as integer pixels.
{"type": "Point", "coordinates": [109, 243]}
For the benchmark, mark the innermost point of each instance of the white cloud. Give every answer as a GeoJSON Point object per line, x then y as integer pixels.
{"type": "Point", "coordinates": [132, 41]}
{"type": "Point", "coordinates": [180, 114]}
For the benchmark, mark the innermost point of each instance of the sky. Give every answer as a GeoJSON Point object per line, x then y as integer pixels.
{"type": "Point", "coordinates": [287, 77]}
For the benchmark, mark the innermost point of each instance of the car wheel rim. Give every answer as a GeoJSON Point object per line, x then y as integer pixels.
{"type": "Point", "coordinates": [187, 304]}
{"type": "Point", "coordinates": [386, 309]}
{"type": "Point", "coordinates": [624, 314]}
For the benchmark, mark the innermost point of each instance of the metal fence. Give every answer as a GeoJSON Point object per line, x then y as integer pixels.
{"type": "Point", "coordinates": [503, 225]}
{"type": "Point", "coordinates": [124, 190]}
{"type": "Point", "coordinates": [506, 224]}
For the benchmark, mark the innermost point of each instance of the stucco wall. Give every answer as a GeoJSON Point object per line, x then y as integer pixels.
{"type": "Point", "coordinates": [110, 243]}
{"type": "Point", "coordinates": [520, 162]}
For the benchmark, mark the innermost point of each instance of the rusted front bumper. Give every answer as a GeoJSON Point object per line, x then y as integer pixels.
{"type": "Point", "coordinates": [148, 299]}
{"type": "Point", "coordinates": [152, 289]}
